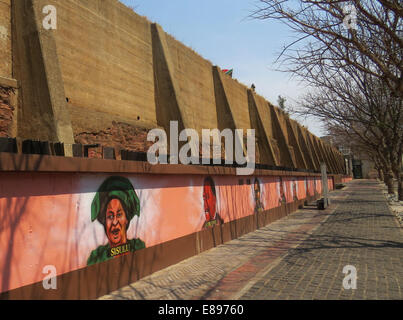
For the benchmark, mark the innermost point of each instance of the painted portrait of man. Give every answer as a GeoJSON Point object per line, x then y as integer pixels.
{"type": "Point", "coordinates": [114, 206]}
{"type": "Point", "coordinates": [306, 187]}
{"type": "Point", "coordinates": [314, 186]}
{"type": "Point", "coordinates": [282, 194]}
{"type": "Point", "coordinates": [257, 195]}
{"type": "Point", "coordinates": [295, 189]}
{"type": "Point", "coordinates": [210, 203]}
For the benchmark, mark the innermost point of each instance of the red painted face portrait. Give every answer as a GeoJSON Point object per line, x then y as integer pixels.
{"type": "Point", "coordinates": [281, 189]}
{"type": "Point", "coordinates": [257, 190]}
{"type": "Point", "coordinates": [210, 199]}
{"type": "Point", "coordinates": [282, 194]}
{"type": "Point", "coordinates": [294, 185]}
{"type": "Point", "coordinates": [258, 203]}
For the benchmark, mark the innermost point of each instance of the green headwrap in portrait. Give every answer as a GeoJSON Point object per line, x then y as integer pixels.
{"type": "Point", "coordinates": [115, 188]}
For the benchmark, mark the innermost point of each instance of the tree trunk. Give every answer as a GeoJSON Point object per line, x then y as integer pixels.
{"type": "Point", "coordinates": [388, 174]}
{"type": "Point", "coordinates": [398, 174]}
{"type": "Point", "coordinates": [379, 168]}
{"type": "Point", "coordinates": [381, 175]}
{"type": "Point", "coordinates": [389, 182]}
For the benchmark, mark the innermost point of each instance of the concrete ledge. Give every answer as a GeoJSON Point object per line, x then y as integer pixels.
{"type": "Point", "coordinates": [9, 83]}
{"type": "Point", "coordinates": [10, 162]}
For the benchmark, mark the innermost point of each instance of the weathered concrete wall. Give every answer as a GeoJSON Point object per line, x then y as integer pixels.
{"type": "Point", "coordinates": [42, 107]}
{"type": "Point", "coordinates": [237, 97]}
{"type": "Point", "coordinates": [5, 39]}
{"type": "Point", "coordinates": [261, 122]}
{"type": "Point", "coordinates": [105, 65]}
{"type": "Point", "coordinates": [105, 55]}
{"type": "Point", "coordinates": [193, 75]}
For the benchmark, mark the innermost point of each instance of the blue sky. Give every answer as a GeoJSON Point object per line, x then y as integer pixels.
{"type": "Point", "coordinates": [222, 32]}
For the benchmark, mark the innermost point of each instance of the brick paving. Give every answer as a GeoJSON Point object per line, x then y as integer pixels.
{"type": "Point", "coordinates": [301, 256]}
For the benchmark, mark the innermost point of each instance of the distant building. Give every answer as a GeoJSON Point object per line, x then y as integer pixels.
{"type": "Point", "coordinates": [357, 164]}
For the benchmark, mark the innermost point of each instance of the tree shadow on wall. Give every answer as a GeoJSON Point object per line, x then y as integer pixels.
{"type": "Point", "coordinates": [11, 215]}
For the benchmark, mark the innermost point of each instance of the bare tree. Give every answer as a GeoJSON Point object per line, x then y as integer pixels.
{"type": "Point", "coordinates": [364, 34]}
{"type": "Point", "coordinates": [350, 53]}
{"type": "Point", "coordinates": [281, 102]}
{"type": "Point", "coordinates": [362, 109]}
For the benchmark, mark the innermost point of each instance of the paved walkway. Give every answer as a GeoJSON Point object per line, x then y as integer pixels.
{"type": "Point", "coordinates": [301, 256]}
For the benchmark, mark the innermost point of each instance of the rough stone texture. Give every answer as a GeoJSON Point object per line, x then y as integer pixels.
{"type": "Point", "coordinates": [5, 39]}
{"type": "Point", "coordinates": [105, 54]}
{"type": "Point", "coordinates": [237, 97]}
{"type": "Point", "coordinates": [118, 136]}
{"type": "Point", "coordinates": [6, 112]}
{"type": "Point", "coordinates": [123, 136]}
{"type": "Point", "coordinates": [301, 256]}
{"type": "Point", "coordinates": [193, 75]}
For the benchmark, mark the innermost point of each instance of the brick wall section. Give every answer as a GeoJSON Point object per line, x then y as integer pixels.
{"type": "Point", "coordinates": [6, 112]}
{"type": "Point", "coordinates": [124, 136]}
{"type": "Point", "coordinates": [5, 39]}
{"type": "Point", "coordinates": [119, 136]}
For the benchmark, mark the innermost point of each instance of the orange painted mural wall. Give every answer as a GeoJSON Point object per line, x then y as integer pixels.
{"type": "Point", "coordinates": [46, 219]}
